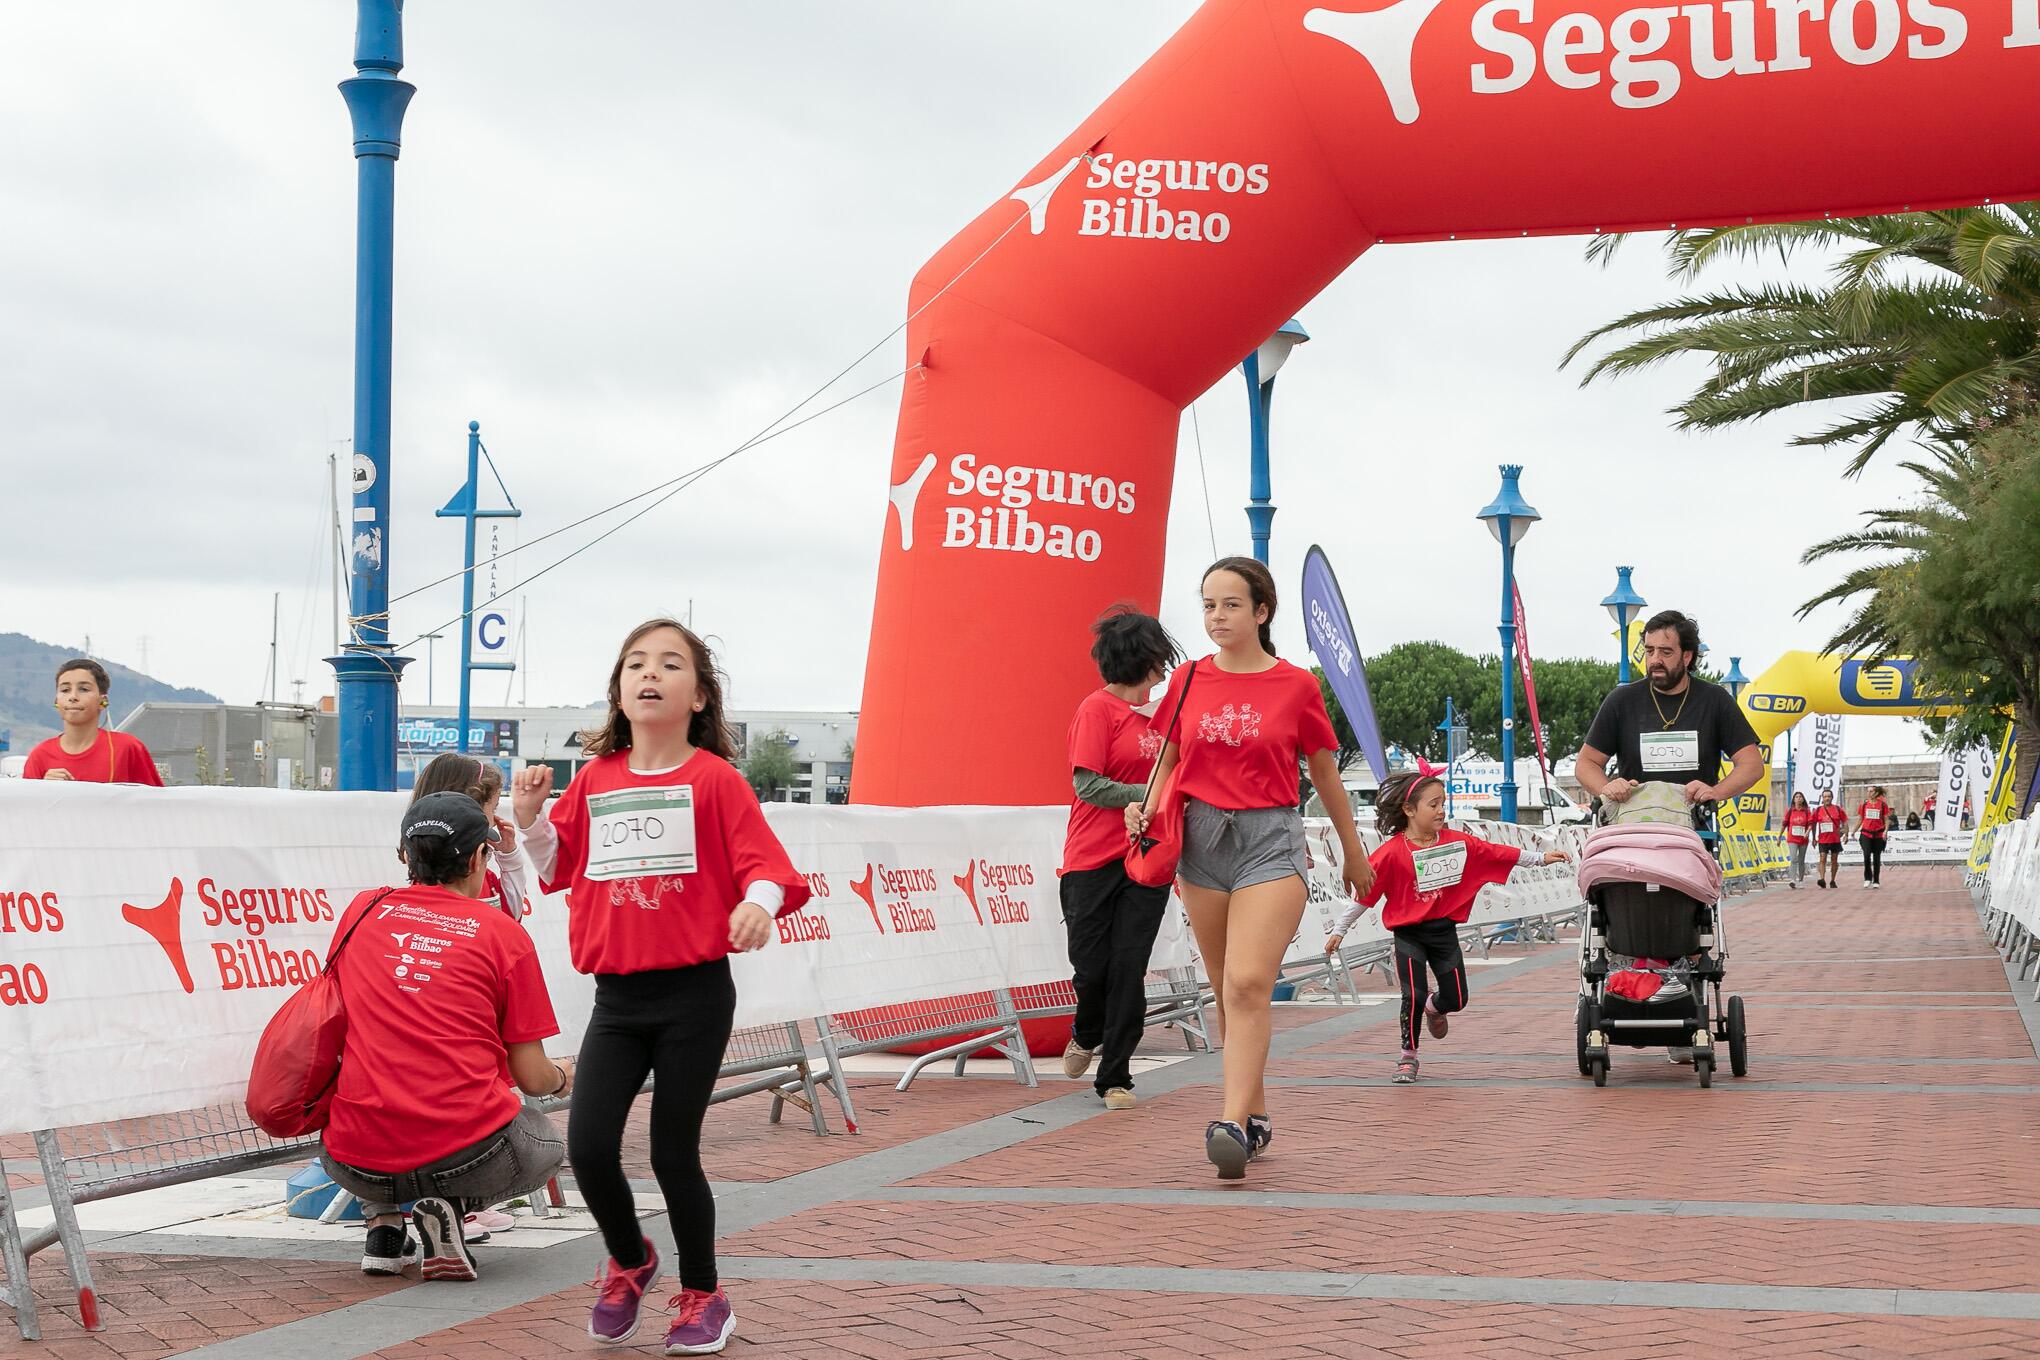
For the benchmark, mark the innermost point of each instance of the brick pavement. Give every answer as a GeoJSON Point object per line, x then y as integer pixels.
{"type": "Point", "coordinates": [1878, 1153]}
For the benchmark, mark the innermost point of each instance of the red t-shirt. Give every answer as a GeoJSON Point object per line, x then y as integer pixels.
{"type": "Point", "coordinates": [1241, 736]}
{"type": "Point", "coordinates": [1797, 820]}
{"type": "Point", "coordinates": [1832, 821]}
{"type": "Point", "coordinates": [1874, 818]}
{"type": "Point", "coordinates": [115, 758]}
{"type": "Point", "coordinates": [667, 917]}
{"type": "Point", "coordinates": [1111, 737]}
{"type": "Point", "coordinates": [438, 987]}
{"type": "Point", "coordinates": [1459, 876]}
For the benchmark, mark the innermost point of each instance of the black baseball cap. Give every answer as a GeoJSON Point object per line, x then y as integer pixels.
{"type": "Point", "coordinates": [451, 816]}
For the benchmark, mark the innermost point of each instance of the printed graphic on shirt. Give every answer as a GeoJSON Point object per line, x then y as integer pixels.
{"type": "Point", "coordinates": [636, 832]}
{"type": "Point", "coordinates": [1150, 745]}
{"type": "Point", "coordinates": [1232, 724]}
{"type": "Point", "coordinates": [1665, 752]}
{"type": "Point", "coordinates": [415, 955]}
{"type": "Point", "coordinates": [644, 893]}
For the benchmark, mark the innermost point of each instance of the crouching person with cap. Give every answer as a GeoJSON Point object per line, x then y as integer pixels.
{"type": "Point", "coordinates": [446, 1011]}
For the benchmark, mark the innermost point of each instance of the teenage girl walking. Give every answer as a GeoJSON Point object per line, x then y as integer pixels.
{"type": "Point", "coordinates": [1798, 829]}
{"type": "Point", "coordinates": [1247, 721]}
{"type": "Point", "coordinates": [1873, 823]}
{"type": "Point", "coordinates": [1426, 877]}
{"type": "Point", "coordinates": [669, 868]}
{"type": "Point", "coordinates": [1830, 825]}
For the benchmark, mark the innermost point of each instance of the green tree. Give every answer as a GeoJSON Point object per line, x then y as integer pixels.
{"type": "Point", "coordinates": [769, 765]}
{"type": "Point", "coordinates": [1409, 683]}
{"type": "Point", "coordinates": [1569, 693]}
{"type": "Point", "coordinates": [1929, 324]}
{"type": "Point", "coordinates": [1958, 588]}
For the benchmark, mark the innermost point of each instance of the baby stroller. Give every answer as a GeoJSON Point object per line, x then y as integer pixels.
{"type": "Point", "coordinates": [1653, 895]}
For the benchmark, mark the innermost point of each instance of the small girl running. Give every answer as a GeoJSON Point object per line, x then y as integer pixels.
{"type": "Point", "coordinates": [669, 868]}
{"type": "Point", "coordinates": [482, 781]}
{"type": "Point", "coordinates": [1426, 877]}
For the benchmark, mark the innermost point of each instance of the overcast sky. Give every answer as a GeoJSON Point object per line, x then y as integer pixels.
{"type": "Point", "coordinates": [629, 235]}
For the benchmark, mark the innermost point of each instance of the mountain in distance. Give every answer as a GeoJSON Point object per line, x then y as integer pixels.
{"type": "Point", "coordinates": [28, 684]}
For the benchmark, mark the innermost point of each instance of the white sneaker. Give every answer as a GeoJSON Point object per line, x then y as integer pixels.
{"type": "Point", "coordinates": [1680, 1056]}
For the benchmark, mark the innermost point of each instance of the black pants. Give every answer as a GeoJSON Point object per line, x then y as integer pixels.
{"type": "Point", "coordinates": [1111, 922]}
{"type": "Point", "coordinates": [1432, 945]}
{"type": "Point", "coordinates": [1873, 859]}
{"type": "Point", "coordinates": [674, 1024]}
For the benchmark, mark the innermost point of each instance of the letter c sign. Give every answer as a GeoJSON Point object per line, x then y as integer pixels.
{"type": "Point", "coordinates": [492, 634]}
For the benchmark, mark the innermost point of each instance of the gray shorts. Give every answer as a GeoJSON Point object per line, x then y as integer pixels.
{"type": "Point", "coordinates": [1226, 851]}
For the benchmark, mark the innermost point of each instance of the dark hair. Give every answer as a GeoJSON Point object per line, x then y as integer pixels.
{"type": "Point", "coordinates": [1392, 802]}
{"type": "Point", "coordinates": [1799, 801]}
{"type": "Point", "coordinates": [1130, 646]}
{"type": "Point", "coordinates": [1687, 629]}
{"type": "Point", "coordinates": [432, 860]}
{"type": "Point", "coordinates": [450, 773]}
{"type": "Point", "coordinates": [1876, 790]}
{"type": "Point", "coordinates": [707, 730]}
{"type": "Point", "coordinates": [1260, 590]}
{"type": "Point", "coordinates": [86, 663]}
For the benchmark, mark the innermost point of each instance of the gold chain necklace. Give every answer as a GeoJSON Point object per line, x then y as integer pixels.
{"type": "Point", "coordinates": [1664, 723]}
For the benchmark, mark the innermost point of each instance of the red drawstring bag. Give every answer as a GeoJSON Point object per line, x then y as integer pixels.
{"type": "Point", "coordinates": [297, 1063]}
{"type": "Point", "coordinates": [1151, 859]}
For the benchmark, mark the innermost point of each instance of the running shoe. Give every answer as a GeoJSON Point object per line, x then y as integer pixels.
{"type": "Point", "coordinates": [1260, 1133]}
{"type": "Point", "coordinates": [1437, 1022]}
{"type": "Point", "coordinates": [1673, 990]}
{"type": "Point", "coordinates": [445, 1246]}
{"type": "Point", "coordinates": [614, 1317]}
{"type": "Point", "coordinates": [1225, 1143]}
{"type": "Point", "coordinates": [1405, 1069]}
{"type": "Point", "coordinates": [1119, 1098]}
{"type": "Point", "coordinates": [487, 1221]}
{"type": "Point", "coordinates": [1076, 1060]}
{"type": "Point", "coordinates": [702, 1322]}
{"type": "Point", "coordinates": [388, 1250]}
{"type": "Point", "coordinates": [1681, 1056]}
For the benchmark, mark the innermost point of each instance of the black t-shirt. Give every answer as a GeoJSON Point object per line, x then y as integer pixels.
{"type": "Point", "coordinates": [1688, 735]}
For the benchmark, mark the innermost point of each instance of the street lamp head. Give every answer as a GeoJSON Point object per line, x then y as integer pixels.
{"type": "Point", "coordinates": [1735, 681]}
{"type": "Point", "coordinates": [1274, 351]}
{"type": "Point", "coordinates": [1508, 513]}
{"type": "Point", "coordinates": [1623, 603]}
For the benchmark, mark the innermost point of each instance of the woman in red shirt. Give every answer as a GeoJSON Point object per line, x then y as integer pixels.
{"type": "Point", "coordinates": [1830, 825]}
{"type": "Point", "coordinates": [1798, 822]}
{"type": "Point", "coordinates": [1248, 721]}
{"type": "Point", "coordinates": [1111, 920]}
{"type": "Point", "coordinates": [1426, 877]}
{"type": "Point", "coordinates": [85, 752]}
{"type": "Point", "coordinates": [669, 867]}
{"type": "Point", "coordinates": [1873, 823]}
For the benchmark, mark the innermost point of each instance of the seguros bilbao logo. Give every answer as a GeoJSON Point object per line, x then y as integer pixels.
{"type": "Point", "coordinates": [994, 507]}
{"type": "Point", "coordinates": [890, 892]}
{"type": "Point", "coordinates": [1000, 885]}
{"type": "Point", "coordinates": [26, 913]}
{"type": "Point", "coordinates": [811, 922]}
{"type": "Point", "coordinates": [1645, 56]}
{"type": "Point", "coordinates": [1126, 196]}
{"type": "Point", "coordinates": [245, 959]}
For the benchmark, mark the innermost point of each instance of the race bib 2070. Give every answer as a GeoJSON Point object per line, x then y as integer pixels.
{"type": "Point", "coordinates": [637, 833]}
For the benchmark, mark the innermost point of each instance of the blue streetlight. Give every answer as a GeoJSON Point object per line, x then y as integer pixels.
{"type": "Point", "coordinates": [1623, 604]}
{"type": "Point", "coordinates": [1735, 682]}
{"type": "Point", "coordinates": [1260, 369]}
{"type": "Point", "coordinates": [1508, 518]}
{"type": "Point", "coordinates": [1454, 728]}
{"type": "Point", "coordinates": [367, 668]}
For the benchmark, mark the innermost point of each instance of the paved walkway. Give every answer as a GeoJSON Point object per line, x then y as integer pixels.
{"type": "Point", "coordinates": [1869, 1190]}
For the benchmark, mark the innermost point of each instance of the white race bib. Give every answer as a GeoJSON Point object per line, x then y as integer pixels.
{"type": "Point", "coordinates": [637, 833]}
{"type": "Point", "coordinates": [1439, 866]}
{"type": "Point", "coordinates": [1669, 752]}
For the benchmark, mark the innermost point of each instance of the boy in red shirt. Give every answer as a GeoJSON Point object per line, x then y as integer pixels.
{"type": "Point", "coordinates": [85, 752]}
{"type": "Point", "coordinates": [1426, 877]}
{"type": "Point", "coordinates": [1830, 825]}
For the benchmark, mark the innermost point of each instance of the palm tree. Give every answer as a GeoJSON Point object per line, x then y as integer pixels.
{"type": "Point", "coordinates": [1957, 587]}
{"type": "Point", "coordinates": [1931, 317]}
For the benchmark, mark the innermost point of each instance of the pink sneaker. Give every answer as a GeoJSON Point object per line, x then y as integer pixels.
{"type": "Point", "coordinates": [621, 1293]}
{"type": "Point", "coordinates": [488, 1221]}
{"type": "Point", "coordinates": [702, 1322]}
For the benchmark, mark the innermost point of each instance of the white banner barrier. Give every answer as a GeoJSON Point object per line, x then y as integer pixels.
{"type": "Point", "coordinates": [147, 935]}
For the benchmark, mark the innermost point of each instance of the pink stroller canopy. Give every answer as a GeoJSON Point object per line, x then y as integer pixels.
{"type": "Point", "coordinates": [1670, 856]}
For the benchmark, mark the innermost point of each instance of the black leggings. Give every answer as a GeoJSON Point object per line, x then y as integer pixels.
{"type": "Point", "coordinates": [674, 1024]}
{"type": "Point", "coordinates": [1873, 859]}
{"type": "Point", "coordinates": [1432, 946]}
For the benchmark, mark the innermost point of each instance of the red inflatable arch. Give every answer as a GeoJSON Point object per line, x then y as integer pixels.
{"type": "Point", "coordinates": [1261, 150]}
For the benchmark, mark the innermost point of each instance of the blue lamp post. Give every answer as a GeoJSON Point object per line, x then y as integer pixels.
{"type": "Point", "coordinates": [1623, 604]}
{"type": "Point", "coordinates": [466, 505]}
{"type": "Point", "coordinates": [1508, 518]}
{"type": "Point", "coordinates": [366, 670]}
{"type": "Point", "coordinates": [1260, 369]}
{"type": "Point", "coordinates": [1735, 682]}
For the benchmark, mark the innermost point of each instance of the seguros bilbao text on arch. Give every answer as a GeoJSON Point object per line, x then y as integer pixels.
{"type": "Point", "coordinates": [1003, 524]}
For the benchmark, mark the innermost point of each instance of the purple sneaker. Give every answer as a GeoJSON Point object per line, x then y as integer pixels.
{"type": "Point", "coordinates": [614, 1317]}
{"type": "Point", "coordinates": [702, 1322]}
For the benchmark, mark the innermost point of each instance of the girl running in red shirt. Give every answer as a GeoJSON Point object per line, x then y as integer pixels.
{"type": "Point", "coordinates": [668, 868]}
{"type": "Point", "coordinates": [1426, 877]}
{"type": "Point", "coordinates": [1248, 722]}
{"type": "Point", "coordinates": [1873, 821]}
{"type": "Point", "coordinates": [1798, 826]}
{"type": "Point", "coordinates": [1830, 824]}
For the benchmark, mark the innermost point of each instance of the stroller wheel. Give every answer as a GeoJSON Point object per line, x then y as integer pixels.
{"type": "Point", "coordinates": [1600, 1070]}
{"type": "Point", "coordinates": [1738, 1039]}
{"type": "Point", "coordinates": [1586, 1019]}
{"type": "Point", "coordinates": [1703, 1067]}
